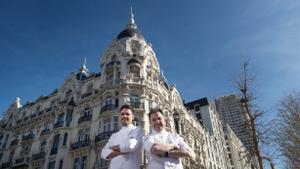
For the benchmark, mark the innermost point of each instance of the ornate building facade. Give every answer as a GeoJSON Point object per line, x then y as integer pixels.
{"type": "Point", "coordinates": [68, 128]}
{"type": "Point", "coordinates": [208, 117]}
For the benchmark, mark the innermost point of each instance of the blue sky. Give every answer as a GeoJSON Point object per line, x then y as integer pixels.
{"type": "Point", "coordinates": [198, 43]}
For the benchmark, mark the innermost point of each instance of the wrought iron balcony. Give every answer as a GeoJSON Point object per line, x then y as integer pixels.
{"type": "Point", "coordinates": [40, 113]}
{"type": "Point", "coordinates": [25, 118]}
{"type": "Point", "coordinates": [48, 109]}
{"type": "Point", "coordinates": [38, 156]}
{"type": "Point", "coordinates": [45, 132]}
{"type": "Point", "coordinates": [80, 144]}
{"type": "Point", "coordinates": [53, 151]}
{"type": "Point", "coordinates": [85, 118]}
{"type": "Point", "coordinates": [20, 160]}
{"type": "Point", "coordinates": [14, 142]}
{"type": "Point", "coordinates": [109, 107]}
{"type": "Point", "coordinates": [103, 136]}
{"type": "Point", "coordinates": [86, 95]}
{"type": "Point", "coordinates": [136, 104]}
{"type": "Point", "coordinates": [33, 115]}
{"type": "Point", "coordinates": [28, 137]}
{"type": "Point", "coordinates": [58, 124]}
{"type": "Point", "coordinates": [6, 164]}
{"type": "Point", "coordinates": [19, 121]}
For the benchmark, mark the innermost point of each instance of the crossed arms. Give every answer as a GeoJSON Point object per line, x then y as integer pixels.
{"type": "Point", "coordinates": [171, 150]}
{"type": "Point", "coordinates": [111, 149]}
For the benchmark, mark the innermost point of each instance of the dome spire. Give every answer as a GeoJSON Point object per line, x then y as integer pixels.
{"type": "Point", "coordinates": [83, 71]}
{"type": "Point", "coordinates": [131, 23]}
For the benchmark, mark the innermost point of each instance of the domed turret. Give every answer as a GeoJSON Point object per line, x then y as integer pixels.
{"type": "Point", "coordinates": [131, 29]}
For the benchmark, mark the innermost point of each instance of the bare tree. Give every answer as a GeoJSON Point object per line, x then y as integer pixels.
{"type": "Point", "coordinates": [258, 130]}
{"type": "Point", "coordinates": [288, 135]}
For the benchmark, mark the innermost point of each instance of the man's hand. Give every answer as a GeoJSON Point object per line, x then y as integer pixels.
{"type": "Point", "coordinates": [115, 152]}
{"type": "Point", "coordinates": [116, 148]}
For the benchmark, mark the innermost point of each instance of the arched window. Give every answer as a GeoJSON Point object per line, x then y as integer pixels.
{"type": "Point", "coordinates": [135, 70]}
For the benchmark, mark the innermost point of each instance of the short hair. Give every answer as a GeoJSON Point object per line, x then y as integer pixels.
{"type": "Point", "coordinates": [126, 106]}
{"type": "Point", "coordinates": [154, 111]}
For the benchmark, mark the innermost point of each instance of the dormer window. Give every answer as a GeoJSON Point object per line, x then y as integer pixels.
{"type": "Point", "coordinates": [135, 70]}
{"type": "Point", "coordinates": [89, 88]}
{"type": "Point", "coordinates": [68, 94]}
{"type": "Point", "coordinates": [197, 107]}
{"type": "Point", "coordinates": [135, 46]}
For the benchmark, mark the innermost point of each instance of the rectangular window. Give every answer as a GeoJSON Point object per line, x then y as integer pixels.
{"type": "Point", "coordinates": [77, 163]}
{"type": "Point", "coordinates": [69, 117]}
{"type": "Point", "coordinates": [60, 164]}
{"type": "Point", "coordinates": [116, 123]}
{"type": "Point", "coordinates": [51, 165]}
{"type": "Point", "coordinates": [99, 128]}
{"type": "Point", "coordinates": [65, 139]}
{"type": "Point", "coordinates": [5, 141]}
{"type": "Point", "coordinates": [104, 163]}
{"type": "Point", "coordinates": [108, 101]}
{"type": "Point", "coordinates": [43, 146]}
{"type": "Point", "coordinates": [106, 126]}
{"type": "Point", "coordinates": [55, 144]}
{"type": "Point", "coordinates": [84, 162]}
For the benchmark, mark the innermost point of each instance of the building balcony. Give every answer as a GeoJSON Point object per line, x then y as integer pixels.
{"type": "Point", "coordinates": [28, 137]}
{"type": "Point", "coordinates": [58, 124]}
{"type": "Point", "coordinates": [86, 95]}
{"type": "Point", "coordinates": [139, 105]}
{"type": "Point", "coordinates": [45, 132]}
{"type": "Point", "coordinates": [25, 118]}
{"type": "Point", "coordinates": [14, 142]}
{"type": "Point", "coordinates": [19, 160]}
{"type": "Point", "coordinates": [6, 164]}
{"type": "Point", "coordinates": [85, 118]}
{"type": "Point", "coordinates": [38, 156]}
{"type": "Point", "coordinates": [53, 151]}
{"type": "Point", "coordinates": [103, 136]}
{"type": "Point", "coordinates": [48, 109]}
{"type": "Point", "coordinates": [21, 163]}
{"type": "Point", "coordinates": [80, 144]}
{"type": "Point", "coordinates": [19, 121]}
{"type": "Point", "coordinates": [33, 115]}
{"type": "Point", "coordinates": [109, 107]}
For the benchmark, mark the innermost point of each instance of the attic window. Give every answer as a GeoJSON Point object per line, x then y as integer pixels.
{"type": "Point", "coordinates": [197, 107]}
{"type": "Point", "coordinates": [135, 70]}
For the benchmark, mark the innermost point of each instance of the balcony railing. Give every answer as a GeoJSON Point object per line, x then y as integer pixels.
{"type": "Point", "coordinates": [20, 160]}
{"type": "Point", "coordinates": [14, 142]}
{"type": "Point", "coordinates": [136, 104]}
{"type": "Point", "coordinates": [45, 132]}
{"type": "Point", "coordinates": [33, 115]}
{"type": "Point", "coordinates": [40, 113]}
{"type": "Point", "coordinates": [58, 124]}
{"type": "Point", "coordinates": [6, 164]}
{"type": "Point", "coordinates": [48, 109]}
{"type": "Point", "coordinates": [38, 156]}
{"type": "Point", "coordinates": [109, 107]}
{"type": "Point", "coordinates": [103, 136]}
{"type": "Point", "coordinates": [85, 118]}
{"type": "Point", "coordinates": [28, 137]}
{"type": "Point", "coordinates": [80, 144]}
{"type": "Point", "coordinates": [86, 95]}
{"type": "Point", "coordinates": [25, 118]}
{"type": "Point", "coordinates": [53, 151]}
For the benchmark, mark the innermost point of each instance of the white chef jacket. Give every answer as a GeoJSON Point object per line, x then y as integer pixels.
{"type": "Point", "coordinates": [163, 137]}
{"type": "Point", "coordinates": [130, 141]}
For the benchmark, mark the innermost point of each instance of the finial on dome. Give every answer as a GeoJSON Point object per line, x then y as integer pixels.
{"type": "Point", "coordinates": [131, 23]}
